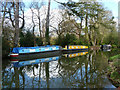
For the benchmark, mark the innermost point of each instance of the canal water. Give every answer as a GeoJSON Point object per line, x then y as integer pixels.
{"type": "Point", "coordinates": [76, 70]}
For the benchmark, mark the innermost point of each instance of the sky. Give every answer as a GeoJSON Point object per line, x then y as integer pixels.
{"type": "Point", "coordinates": [111, 5]}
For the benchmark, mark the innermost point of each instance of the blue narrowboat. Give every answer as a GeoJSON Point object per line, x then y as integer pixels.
{"type": "Point", "coordinates": [33, 50]}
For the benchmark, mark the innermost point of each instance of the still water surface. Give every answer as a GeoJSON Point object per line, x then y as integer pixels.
{"type": "Point", "coordinates": [79, 70]}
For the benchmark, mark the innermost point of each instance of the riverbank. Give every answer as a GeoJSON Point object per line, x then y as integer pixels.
{"type": "Point", "coordinates": [114, 70]}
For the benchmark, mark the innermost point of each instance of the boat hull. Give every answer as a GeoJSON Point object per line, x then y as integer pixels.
{"type": "Point", "coordinates": [18, 51]}
{"type": "Point", "coordinates": [67, 51]}
{"type": "Point", "coordinates": [28, 56]}
{"type": "Point", "coordinates": [14, 55]}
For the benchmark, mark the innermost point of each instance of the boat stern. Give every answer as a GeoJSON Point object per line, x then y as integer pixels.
{"type": "Point", "coordinates": [13, 55]}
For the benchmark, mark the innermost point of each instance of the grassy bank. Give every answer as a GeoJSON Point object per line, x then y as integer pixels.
{"type": "Point", "coordinates": [114, 57]}
{"type": "Point", "coordinates": [114, 70]}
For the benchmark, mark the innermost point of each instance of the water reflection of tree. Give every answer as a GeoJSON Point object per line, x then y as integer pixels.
{"type": "Point", "coordinates": [82, 71]}
{"type": "Point", "coordinates": [69, 67]}
{"type": "Point", "coordinates": [12, 77]}
{"type": "Point", "coordinates": [91, 68]}
{"type": "Point", "coordinates": [47, 73]}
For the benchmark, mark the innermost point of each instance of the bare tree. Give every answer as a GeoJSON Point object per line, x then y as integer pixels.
{"type": "Point", "coordinates": [3, 18]}
{"type": "Point", "coordinates": [16, 39]}
{"type": "Point", "coordinates": [11, 12]}
{"type": "Point", "coordinates": [36, 16]}
{"type": "Point", "coordinates": [31, 7]}
{"type": "Point", "coordinates": [47, 24]}
{"type": "Point", "coordinates": [37, 7]}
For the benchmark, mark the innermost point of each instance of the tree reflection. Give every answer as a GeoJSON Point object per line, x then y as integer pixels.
{"type": "Point", "coordinates": [47, 73]}
{"type": "Point", "coordinates": [16, 77]}
{"type": "Point", "coordinates": [86, 71]}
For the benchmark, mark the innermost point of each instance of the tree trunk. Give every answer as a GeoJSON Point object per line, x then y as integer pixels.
{"type": "Point", "coordinates": [47, 73]}
{"type": "Point", "coordinates": [40, 28]}
{"type": "Point", "coordinates": [47, 25]}
{"type": "Point", "coordinates": [33, 28]}
{"type": "Point", "coordinates": [34, 36]}
{"type": "Point", "coordinates": [86, 26]}
{"type": "Point", "coordinates": [39, 23]}
{"type": "Point", "coordinates": [80, 28]}
{"type": "Point", "coordinates": [89, 36]}
{"type": "Point", "coordinates": [16, 36]}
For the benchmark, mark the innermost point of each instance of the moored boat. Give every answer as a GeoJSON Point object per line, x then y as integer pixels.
{"type": "Point", "coordinates": [74, 48]}
{"type": "Point", "coordinates": [33, 50]}
{"type": "Point", "coordinates": [14, 55]}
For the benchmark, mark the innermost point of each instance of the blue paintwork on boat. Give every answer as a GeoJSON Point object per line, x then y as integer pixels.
{"type": "Point", "coordinates": [35, 49]}
{"type": "Point", "coordinates": [36, 61]}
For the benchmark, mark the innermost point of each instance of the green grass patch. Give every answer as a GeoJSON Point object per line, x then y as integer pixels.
{"type": "Point", "coordinates": [115, 75]}
{"type": "Point", "coordinates": [114, 57]}
{"type": "Point", "coordinates": [116, 64]}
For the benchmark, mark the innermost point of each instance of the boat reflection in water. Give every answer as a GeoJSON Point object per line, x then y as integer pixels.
{"type": "Point", "coordinates": [106, 50]}
{"type": "Point", "coordinates": [19, 63]}
{"type": "Point", "coordinates": [75, 54]}
{"type": "Point", "coordinates": [86, 71]}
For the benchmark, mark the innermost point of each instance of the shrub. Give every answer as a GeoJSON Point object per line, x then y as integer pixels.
{"type": "Point", "coordinates": [115, 75]}
{"type": "Point", "coordinates": [68, 39]}
{"type": "Point", "coordinates": [27, 40]}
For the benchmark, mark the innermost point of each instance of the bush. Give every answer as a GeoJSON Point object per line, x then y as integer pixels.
{"type": "Point", "coordinates": [82, 41]}
{"type": "Point", "coordinates": [39, 41]}
{"type": "Point", "coordinates": [68, 39]}
{"type": "Point", "coordinates": [27, 40]}
{"type": "Point", "coordinates": [114, 46]}
{"type": "Point", "coordinates": [5, 47]}
{"type": "Point", "coordinates": [115, 75]}
{"type": "Point", "coordinates": [71, 39]}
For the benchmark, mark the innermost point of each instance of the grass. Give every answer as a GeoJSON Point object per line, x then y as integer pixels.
{"type": "Point", "coordinates": [115, 75]}
{"type": "Point", "coordinates": [114, 57]}
{"type": "Point", "coordinates": [113, 70]}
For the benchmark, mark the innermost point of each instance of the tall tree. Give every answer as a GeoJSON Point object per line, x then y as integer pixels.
{"type": "Point", "coordinates": [47, 24]}
{"type": "Point", "coordinates": [3, 18]}
{"type": "Point", "coordinates": [16, 39]}
{"type": "Point", "coordinates": [13, 11]}
{"type": "Point", "coordinates": [37, 7]}
{"type": "Point", "coordinates": [94, 16]}
{"type": "Point", "coordinates": [33, 28]}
